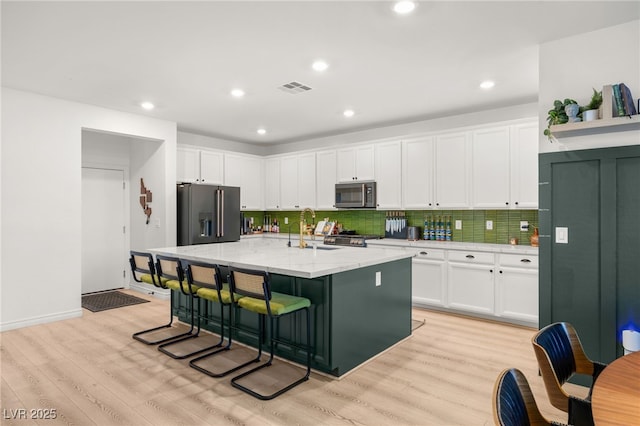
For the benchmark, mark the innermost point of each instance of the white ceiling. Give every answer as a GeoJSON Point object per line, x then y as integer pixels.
{"type": "Point", "coordinates": [186, 57]}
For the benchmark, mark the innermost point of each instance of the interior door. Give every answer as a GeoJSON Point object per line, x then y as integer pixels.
{"type": "Point", "coordinates": [103, 232]}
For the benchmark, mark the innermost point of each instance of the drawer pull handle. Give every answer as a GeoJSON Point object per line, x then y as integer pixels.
{"type": "Point", "coordinates": [525, 261]}
{"type": "Point", "coordinates": [470, 256]}
{"type": "Point", "coordinates": [424, 253]}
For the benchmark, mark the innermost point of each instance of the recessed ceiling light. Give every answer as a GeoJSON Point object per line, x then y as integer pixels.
{"type": "Point", "coordinates": [237, 93]}
{"type": "Point", "coordinates": [488, 84]}
{"type": "Point", "coordinates": [320, 65]}
{"type": "Point", "coordinates": [348, 113]}
{"type": "Point", "coordinates": [261, 131]}
{"type": "Point", "coordinates": [147, 105]}
{"type": "Point", "coordinates": [404, 7]}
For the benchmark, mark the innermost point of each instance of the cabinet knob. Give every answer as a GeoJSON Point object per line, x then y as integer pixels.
{"type": "Point", "coordinates": [437, 204]}
{"type": "Point", "coordinates": [429, 204]}
{"type": "Point", "coordinates": [516, 203]}
{"type": "Point", "coordinates": [500, 271]}
{"type": "Point", "coordinates": [491, 270]}
{"type": "Point", "coordinates": [507, 203]}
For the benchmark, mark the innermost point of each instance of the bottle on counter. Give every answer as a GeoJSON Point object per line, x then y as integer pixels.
{"type": "Point", "coordinates": [447, 231]}
{"type": "Point", "coordinates": [427, 225]}
{"type": "Point", "coordinates": [432, 229]}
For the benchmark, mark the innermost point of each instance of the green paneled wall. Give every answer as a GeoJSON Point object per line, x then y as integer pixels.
{"type": "Point", "coordinates": [506, 223]}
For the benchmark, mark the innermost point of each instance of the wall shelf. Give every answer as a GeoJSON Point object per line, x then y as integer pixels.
{"type": "Point", "coordinates": [605, 125]}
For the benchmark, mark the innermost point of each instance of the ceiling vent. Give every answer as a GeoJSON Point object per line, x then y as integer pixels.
{"type": "Point", "coordinates": [294, 87]}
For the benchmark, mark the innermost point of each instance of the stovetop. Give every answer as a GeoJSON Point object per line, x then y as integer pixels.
{"type": "Point", "coordinates": [349, 240]}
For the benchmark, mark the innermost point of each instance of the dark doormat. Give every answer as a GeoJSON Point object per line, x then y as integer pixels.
{"type": "Point", "coordinates": [97, 302]}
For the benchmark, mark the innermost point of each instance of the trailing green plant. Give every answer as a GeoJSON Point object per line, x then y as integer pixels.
{"type": "Point", "coordinates": [557, 115]}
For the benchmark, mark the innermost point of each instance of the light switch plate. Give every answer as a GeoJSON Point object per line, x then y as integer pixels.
{"type": "Point", "coordinates": [524, 225]}
{"type": "Point", "coordinates": [378, 278]}
{"type": "Point", "coordinates": [458, 224]}
{"type": "Point", "coordinates": [562, 235]}
{"type": "Point", "coordinates": [489, 225]}
{"type": "Point", "coordinates": [286, 220]}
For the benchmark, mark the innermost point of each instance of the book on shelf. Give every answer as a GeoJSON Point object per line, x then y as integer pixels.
{"type": "Point", "coordinates": [627, 100]}
{"type": "Point", "coordinates": [618, 110]}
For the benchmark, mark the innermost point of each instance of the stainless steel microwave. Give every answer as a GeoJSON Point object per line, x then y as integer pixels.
{"type": "Point", "coordinates": [356, 195]}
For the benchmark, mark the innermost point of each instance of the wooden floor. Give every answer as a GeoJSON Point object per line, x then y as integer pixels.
{"type": "Point", "coordinates": [90, 371]}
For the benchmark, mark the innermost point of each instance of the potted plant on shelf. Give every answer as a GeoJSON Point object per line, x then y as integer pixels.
{"type": "Point", "coordinates": [590, 111]}
{"type": "Point", "coordinates": [557, 115]}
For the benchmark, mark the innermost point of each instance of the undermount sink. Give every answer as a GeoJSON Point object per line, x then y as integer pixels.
{"type": "Point", "coordinates": [322, 247]}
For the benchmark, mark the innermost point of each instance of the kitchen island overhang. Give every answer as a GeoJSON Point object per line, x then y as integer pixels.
{"type": "Point", "coordinates": [361, 297]}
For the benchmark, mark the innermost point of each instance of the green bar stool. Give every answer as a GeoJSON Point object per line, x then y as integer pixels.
{"type": "Point", "coordinates": [144, 271]}
{"type": "Point", "coordinates": [255, 287]}
{"type": "Point", "coordinates": [172, 269]}
{"type": "Point", "coordinates": [213, 288]}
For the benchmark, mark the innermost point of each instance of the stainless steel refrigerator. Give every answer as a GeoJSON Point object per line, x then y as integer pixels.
{"type": "Point", "coordinates": [208, 214]}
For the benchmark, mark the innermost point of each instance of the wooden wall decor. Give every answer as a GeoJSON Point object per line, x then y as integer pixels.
{"type": "Point", "coordinates": [145, 198]}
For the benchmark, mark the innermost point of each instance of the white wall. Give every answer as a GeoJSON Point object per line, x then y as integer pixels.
{"type": "Point", "coordinates": [41, 206]}
{"type": "Point", "coordinates": [516, 112]}
{"type": "Point", "coordinates": [571, 67]}
{"type": "Point", "coordinates": [185, 138]}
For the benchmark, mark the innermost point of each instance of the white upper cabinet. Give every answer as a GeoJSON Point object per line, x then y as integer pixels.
{"type": "Point", "coordinates": [272, 183]}
{"type": "Point", "coordinates": [490, 175]}
{"type": "Point", "coordinates": [211, 167]}
{"type": "Point", "coordinates": [326, 172]}
{"type": "Point", "coordinates": [356, 163]}
{"type": "Point", "coordinates": [199, 166]}
{"type": "Point", "coordinates": [297, 181]}
{"type": "Point", "coordinates": [246, 172]}
{"type": "Point", "coordinates": [417, 173]}
{"type": "Point", "coordinates": [187, 165]}
{"type": "Point", "coordinates": [524, 165]}
{"type": "Point", "coordinates": [388, 167]}
{"type": "Point", "coordinates": [452, 169]}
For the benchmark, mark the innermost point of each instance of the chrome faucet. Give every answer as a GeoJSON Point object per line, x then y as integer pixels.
{"type": "Point", "coordinates": [303, 226]}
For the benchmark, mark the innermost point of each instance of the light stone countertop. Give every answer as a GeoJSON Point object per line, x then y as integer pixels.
{"type": "Point", "coordinates": [273, 255]}
{"type": "Point", "coordinates": [391, 242]}
{"type": "Point", "coordinates": [453, 245]}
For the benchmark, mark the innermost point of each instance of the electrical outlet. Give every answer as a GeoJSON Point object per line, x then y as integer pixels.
{"type": "Point", "coordinates": [524, 226]}
{"type": "Point", "coordinates": [458, 224]}
{"type": "Point", "coordinates": [489, 225]}
{"type": "Point", "coordinates": [286, 220]}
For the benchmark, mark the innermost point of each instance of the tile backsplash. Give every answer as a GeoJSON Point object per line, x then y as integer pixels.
{"type": "Point", "coordinates": [506, 223]}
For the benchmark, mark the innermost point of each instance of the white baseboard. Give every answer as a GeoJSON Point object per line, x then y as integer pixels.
{"type": "Point", "coordinates": [160, 293]}
{"type": "Point", "coordinates": [12, 325]}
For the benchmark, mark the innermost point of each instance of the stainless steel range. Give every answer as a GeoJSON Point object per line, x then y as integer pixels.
{"type": "Point", "coordinates": [349, 240]}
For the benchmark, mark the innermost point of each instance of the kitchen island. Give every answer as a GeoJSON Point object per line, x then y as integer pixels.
{"type": "Point", "coordinates": [361, 297]}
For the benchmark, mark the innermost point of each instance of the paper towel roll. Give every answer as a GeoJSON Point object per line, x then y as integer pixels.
{"type": "Point", "coordinates": [630, 341]}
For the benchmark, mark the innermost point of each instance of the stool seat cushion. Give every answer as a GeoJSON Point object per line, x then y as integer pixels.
{"type": "Point", "coordinates": [280, 304]}
{"type": "Point", "coordinates": [212, 294]}
{"type": "Point", "coordinates": [175, 285]}
{"type": "Point", "coordinates": [146, 278]}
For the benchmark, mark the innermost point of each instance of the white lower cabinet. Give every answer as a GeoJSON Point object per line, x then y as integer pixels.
{"type": "Point", "coordinates": [485, 284]}
{"type": "Point", "coordinates": [428, 278]}
{"type": "Point", "coordinates": [517, 287]}
{"type": "Point", "coordinates": [471, 281]}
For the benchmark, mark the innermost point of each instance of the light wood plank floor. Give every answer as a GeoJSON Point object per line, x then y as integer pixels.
{"type": "Point", "coordinates": [91, 371]}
